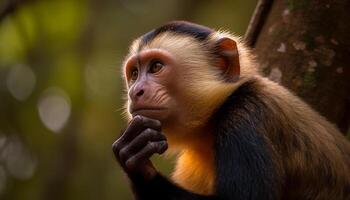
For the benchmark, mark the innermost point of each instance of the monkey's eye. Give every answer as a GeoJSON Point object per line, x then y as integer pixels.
{"type": "Point", "coordinates": [134, 74]}
{"type": "Point", "coordinates": [155, 67]}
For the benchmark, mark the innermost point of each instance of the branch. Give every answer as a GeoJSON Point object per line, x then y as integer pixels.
{"type": "Point", "coordinates": [256, 23]}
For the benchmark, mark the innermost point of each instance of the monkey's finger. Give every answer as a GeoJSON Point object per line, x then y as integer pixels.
{"type": "Point", "coordinates": [141, 157]}
{"type": "Point", "coordinates": [116, 146]}
{"type": "Point", "coordinates": [133, 129]}
{"type": "Point", "coordinates": [138, 124]}
{"type": "Point", "coordinates": [148, 135]}
{"type": "Point", "coordinates": [150, 123]}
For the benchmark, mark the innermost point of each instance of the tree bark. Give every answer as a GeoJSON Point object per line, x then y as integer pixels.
{"type": "Point", "coordinates": [305, 46]}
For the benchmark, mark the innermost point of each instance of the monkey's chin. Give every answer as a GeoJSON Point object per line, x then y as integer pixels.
{"type": "Point", "coordinates": [154, 113]}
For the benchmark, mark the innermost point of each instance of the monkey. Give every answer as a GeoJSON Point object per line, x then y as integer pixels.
{"type": "Point", "coordinates": [198, 92]}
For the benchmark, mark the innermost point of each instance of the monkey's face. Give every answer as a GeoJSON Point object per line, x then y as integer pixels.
{"type": "Point", "coordinates": [150, 82]}
{"type": "Point", "coordinates": [179, 80]}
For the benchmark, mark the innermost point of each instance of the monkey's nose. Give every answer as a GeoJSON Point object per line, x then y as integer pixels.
{"type": "Point", "coordinates": [140, 93]}
{"type": "Point", "coordinates": [136, 93]}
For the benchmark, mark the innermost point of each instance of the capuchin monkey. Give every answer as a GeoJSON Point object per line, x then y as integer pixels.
{"type": "Point", "coordinates": [239, 135]}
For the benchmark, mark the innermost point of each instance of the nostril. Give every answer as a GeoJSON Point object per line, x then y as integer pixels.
{"type": "Point", "coordinates": [140, 93]}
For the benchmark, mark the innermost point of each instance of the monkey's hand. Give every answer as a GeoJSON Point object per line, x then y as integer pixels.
{"type": "Point", "coordinates": [141, 139]}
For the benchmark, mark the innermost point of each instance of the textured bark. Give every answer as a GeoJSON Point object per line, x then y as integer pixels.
{"type": "Point", "coordinates": [305, 45]}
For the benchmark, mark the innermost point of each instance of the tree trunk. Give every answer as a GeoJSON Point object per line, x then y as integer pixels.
{"type": "Point", "coordinates": [305, 45]}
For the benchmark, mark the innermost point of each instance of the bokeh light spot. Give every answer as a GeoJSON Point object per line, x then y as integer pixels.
{"type": "Point", "coordinates": [19, 162]}
{"type": "Point", "coordinates": [54, 109]}
{"type": "Point", "coordinates": [20, 81]}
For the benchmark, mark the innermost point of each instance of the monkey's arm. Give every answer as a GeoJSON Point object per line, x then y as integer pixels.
{"type": "Point", "coordinates": [244, 168]}
{"type": "Point", "coordinates": [160, 187]}
{"type": "Point", "coordinates": [244, 160]}
{"type": "Point", "coordinates": [133, 149]}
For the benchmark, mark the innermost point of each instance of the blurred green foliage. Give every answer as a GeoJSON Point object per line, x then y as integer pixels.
{"type": "Point", "coordinates": [61, 92]}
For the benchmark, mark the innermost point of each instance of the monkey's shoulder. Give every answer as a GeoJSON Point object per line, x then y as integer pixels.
{"type": "Point", "coordinates": [242, 105]}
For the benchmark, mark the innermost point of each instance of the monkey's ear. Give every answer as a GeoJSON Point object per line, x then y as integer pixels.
{"type": "Point", "coordinates": [228, 59]}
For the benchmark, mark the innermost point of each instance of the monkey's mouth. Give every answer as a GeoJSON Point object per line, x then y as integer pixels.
{"type": "Point", "coordinates": [147, 111]}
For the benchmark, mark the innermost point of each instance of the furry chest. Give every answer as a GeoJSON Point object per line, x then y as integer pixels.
{"type": "Point", "coordinates": [195, 172]}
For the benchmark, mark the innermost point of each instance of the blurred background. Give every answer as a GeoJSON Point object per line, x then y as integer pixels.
{"type": "Point", "coordinates": [61, 92]}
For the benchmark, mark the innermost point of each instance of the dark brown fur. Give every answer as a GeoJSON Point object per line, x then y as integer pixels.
{"type": "Point", "coordinates": [311, 154]}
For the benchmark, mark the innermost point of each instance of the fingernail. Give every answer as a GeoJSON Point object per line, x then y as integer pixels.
{"type": "Point", "coordinates": [137, 117]}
